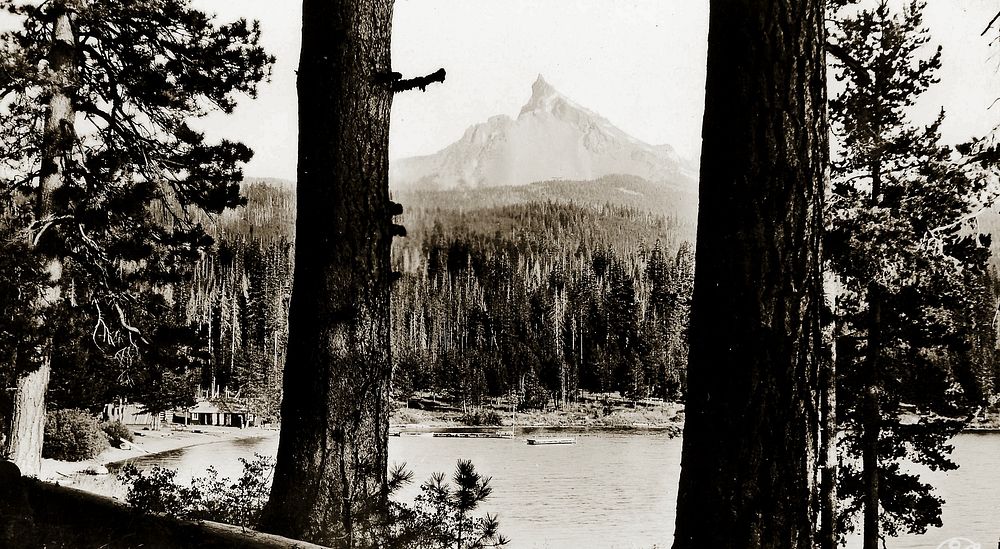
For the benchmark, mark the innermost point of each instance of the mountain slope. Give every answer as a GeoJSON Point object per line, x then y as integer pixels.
{"type": "Point", "coordinates": [613, 190]}
{"type": "Point", "coordinates": [551, 138]}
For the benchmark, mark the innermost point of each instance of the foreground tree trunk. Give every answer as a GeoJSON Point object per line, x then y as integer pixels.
{"type": "Point", "coordinates": [332, 463]}
{"type": "Point", "coordinates": [748, 468]}
{"type": "Point", "coordinates": [24, 445]}
{"type": "Point", "coordinates": [27, 428]}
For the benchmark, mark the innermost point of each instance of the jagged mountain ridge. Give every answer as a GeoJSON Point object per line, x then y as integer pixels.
{"type": "Point", "coordinates": [551, 138]}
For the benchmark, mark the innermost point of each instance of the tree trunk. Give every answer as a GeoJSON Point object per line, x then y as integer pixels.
{"type": "Point", "coordinates": [332, 455]}
{"type": "Point", "coordinates": [828, 412]}
{"type": "Point", "coordinates": [748, 467]}
{"type": "Point", "coordinates": [870, 412]}
{"type": "Point", "coordinates": [24, 445]}
{"type": "Point", "coordinates": [870, 416]}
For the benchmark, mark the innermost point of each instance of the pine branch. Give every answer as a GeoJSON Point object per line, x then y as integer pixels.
{"type": "Point", "coordinates": [856, 67]}
{"type": "Point", "coordinates": [399, 85]}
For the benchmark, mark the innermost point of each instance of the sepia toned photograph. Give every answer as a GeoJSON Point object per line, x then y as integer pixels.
{"type": "Point", "coordinates": [474, 274]}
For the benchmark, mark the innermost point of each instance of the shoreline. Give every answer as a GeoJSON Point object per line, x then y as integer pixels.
{"type": "Point", "coordinates": [87, 474]}
{"type": "Point", "coordinates": [96, 475]}
{"type": "Point", "coordinates": [666, 417]}
{"type": "Point", "coordinates": [83, 474]}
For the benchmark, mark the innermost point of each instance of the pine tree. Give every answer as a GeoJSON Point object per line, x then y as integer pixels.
{"type": "Point", "coordinates": [332, 457]}
{"type": "Point", "coordinates": [901, 245]}
{"type": "Point", "coordinates": [96, 138]}
{"type": "Point", "coordinates": [747, 465]}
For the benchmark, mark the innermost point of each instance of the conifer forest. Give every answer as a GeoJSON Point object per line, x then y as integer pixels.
{"type": "Point", "coordinates": [262, 270]}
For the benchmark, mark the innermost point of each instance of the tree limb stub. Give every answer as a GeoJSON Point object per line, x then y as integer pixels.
{"type": "Point", "coordinates": [399, 85]}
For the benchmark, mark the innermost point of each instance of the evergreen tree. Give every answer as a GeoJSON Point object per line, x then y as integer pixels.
{"type": "Point", "coordinates": [682, 286]}
{"type": "Point", "coordinates": [107, 174]}
{"type": "Point", "coordinates": [332, 457]}
{"type": "Point", "coordinates": [747, 465]}
{"type": "Point", "coordinates": [904, 246]}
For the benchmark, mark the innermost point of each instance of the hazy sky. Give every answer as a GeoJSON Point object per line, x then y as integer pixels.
{"type": "Point", "coordinates": [640, 63]}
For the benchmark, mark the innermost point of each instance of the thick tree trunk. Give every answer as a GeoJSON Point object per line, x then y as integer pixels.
{"type": "Point", "coordinates": [332, 461]}
{"type": "Point", "coordinates": [24, 445]}
{"type": "Point", "coordinates": [748, 468]}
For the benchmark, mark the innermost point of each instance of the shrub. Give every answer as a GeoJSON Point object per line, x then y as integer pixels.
{"type": "Point", "coordinates": [72, 435]}
{"type": "Point", "coordinates": [442, 515]}
{"type": "Point", "coordinates": [211, 497]}
{"type": "Point", "coordinates": [440, 518]}
{"type": "Point", "coordinates": [117, 432]}
{"type": "Point", "coordinates": [534, 395]}
{"type": "Point", "coordinates": [482, 417]}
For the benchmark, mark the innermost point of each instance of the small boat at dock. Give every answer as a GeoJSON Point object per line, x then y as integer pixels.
{"type": "Point", "coordinates": [550, 440]}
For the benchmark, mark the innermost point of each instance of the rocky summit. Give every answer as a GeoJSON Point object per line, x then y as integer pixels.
{"type": "Point", "coordinates": [551, 138]}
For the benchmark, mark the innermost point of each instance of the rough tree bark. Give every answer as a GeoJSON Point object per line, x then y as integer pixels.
{"type": "Point", "coordinates": [748, 468]}
{"type": "Point", "coordinates": [332, 458]}
{"type": "Point", "coordinates": [24, 445]}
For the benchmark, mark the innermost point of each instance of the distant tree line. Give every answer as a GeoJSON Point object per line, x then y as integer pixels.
{"type": "Point", "coordinates": [545, 299]}
{"type": "Point", "coordinates": [547, 296]}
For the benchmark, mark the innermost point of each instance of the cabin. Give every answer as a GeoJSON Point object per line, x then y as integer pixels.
{"type": "Point", "coordinates": [210, 413]}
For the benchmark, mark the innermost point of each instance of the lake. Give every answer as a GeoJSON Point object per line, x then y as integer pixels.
{"type": "Point", "coordinates": [615, 490]}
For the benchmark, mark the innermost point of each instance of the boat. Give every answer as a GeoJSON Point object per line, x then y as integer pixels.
{"type": "Point", "coordinates": [550, 440]}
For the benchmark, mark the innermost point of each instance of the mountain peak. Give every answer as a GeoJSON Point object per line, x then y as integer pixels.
{"type": "Point", "coordinates": [552, 138]}
{"type": "Point", "coordinates": [541, 88]}
{"type": "Point", "coordinates": [543, 95]}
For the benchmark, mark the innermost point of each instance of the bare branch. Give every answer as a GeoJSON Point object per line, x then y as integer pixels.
{"type": "Point", "coordinates": [45, 224]}
{"type": "Point", "coordinates": [100, 326]}
{"type": "Point", "coordinates": [124, 323]}
{"type": "Point", "coordinates": [399, 85]}
{"type": "Point", "coordinates": [992, 21]}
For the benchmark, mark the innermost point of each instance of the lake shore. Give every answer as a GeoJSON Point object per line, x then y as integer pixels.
{"type": "Point", "coordinates": [667, 417]}
{"type": "Point", "coordinates": [146, 443]}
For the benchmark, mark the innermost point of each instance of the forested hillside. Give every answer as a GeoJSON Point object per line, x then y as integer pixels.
{"type": "Point", "coordinates": [545, 289]}
{"type": "Point", "coordinates": [238, 299]}
{"type": "Point", "coordinates": [552, 287]}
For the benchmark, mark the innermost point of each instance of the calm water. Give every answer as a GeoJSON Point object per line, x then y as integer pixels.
{"type": "Point", "coordinates": [617, 490]}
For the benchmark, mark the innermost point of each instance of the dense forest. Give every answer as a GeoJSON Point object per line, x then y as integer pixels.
{"type": "Point", "coordinates": [546, 290]}
{"type": "Point", "coordinates": [545, 298]}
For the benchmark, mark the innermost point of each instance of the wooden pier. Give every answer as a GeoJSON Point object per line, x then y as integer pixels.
{"type": "Point", "coordinates": [550, 440]}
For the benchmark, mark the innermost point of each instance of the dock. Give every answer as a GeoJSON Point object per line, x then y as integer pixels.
{"type": "Point", "coordinates": [473, 435]}
{"type": "Point", "coordinates": [550, 440]}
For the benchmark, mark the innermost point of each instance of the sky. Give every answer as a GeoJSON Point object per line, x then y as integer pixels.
{"type": "Point", "coordinates": [639, 63]}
